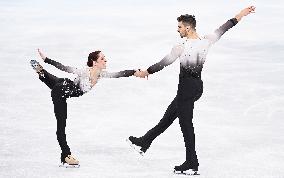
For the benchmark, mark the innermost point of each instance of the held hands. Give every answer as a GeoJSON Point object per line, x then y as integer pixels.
{"type": "Point", "coordinates": [245, 12]}
{"type": "Point", "coordinates": [41, 54]}
{"type": "Point", "coordinates": [141, 74]}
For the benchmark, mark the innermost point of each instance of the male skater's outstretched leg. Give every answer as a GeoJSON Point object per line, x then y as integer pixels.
{"type": "Point", "coordinates": [145, 141]}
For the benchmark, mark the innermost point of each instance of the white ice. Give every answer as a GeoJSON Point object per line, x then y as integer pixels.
{"type": "Point", "coordinates": [238, 120]}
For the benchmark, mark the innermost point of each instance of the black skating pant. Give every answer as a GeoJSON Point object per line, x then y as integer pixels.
{"type": "Point", "coordinates": [61, 89]}
{"type": "Point", "coordinates": [190, 90]}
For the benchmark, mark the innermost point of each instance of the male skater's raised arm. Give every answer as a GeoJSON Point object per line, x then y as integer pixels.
{"type": "Point", "coordinates": [182, 29]}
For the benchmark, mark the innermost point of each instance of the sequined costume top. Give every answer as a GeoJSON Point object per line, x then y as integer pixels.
{"type": "Point", "coordinates": [192, 52]}
{"type": "Point", "coordinates": [83, 79]}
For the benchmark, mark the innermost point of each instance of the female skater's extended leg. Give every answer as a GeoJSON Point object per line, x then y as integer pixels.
{"type": "Point", "coordinates": [47, 78]}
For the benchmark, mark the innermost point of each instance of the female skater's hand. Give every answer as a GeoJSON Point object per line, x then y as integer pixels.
{"type": "Point", "coordinates": [137, 73]}
{"type": "Point", "coordinates": [41, 55]}
{"type": "Point", "coordinates": [245, 12]}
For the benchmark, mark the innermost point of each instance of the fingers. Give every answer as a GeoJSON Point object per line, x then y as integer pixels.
{"type": "Point", "coordinates": [41, 54]}
{"type": "Point", "coordinates": [141, 74]}
{"type": "Point", "coordinates": [247, 11]}
{"type": "Point", "coordinates": [137, 73]}
{"type": "Point", "coordinates": [251, 9]}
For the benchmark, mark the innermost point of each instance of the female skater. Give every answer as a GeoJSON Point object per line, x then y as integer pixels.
{"type": "Point", "coordinates": [63, 88]}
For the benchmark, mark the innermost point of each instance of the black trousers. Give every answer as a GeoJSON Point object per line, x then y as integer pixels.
{"type": "Point", "coordinates": [190, 90]}
{"type": "Point", "coordinates": [61, 89]}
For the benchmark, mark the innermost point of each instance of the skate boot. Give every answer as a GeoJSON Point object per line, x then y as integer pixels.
{"type": "Point", "coordinates": [70, 162]}
{"type": "Point", "coordinates": [140, 145]}
{"type": "Point", "coordinates": [37, 67]}
{"type": "Point", "coordinates": [187, 168]}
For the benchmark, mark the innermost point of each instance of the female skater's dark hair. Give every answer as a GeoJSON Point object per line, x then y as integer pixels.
{"type": "Point", "coordinates": [93, 56]}
{"type": "Point", "coordinates": [188, 19]}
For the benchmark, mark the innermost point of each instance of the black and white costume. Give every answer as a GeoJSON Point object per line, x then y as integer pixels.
{"type": "Point", "coordinates": [192, 54]}
{"type": "Point", "coordinates": [63, 88]}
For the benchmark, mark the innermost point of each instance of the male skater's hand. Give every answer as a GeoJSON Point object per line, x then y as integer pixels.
{"type": "Point", "coordinates": [41, 55]}
{"type": "Point", "coordinates": [144, 74]}
{"type": "Point", "coordinates": [245, 12]}
{"type": "Point", "coordinates": [141, 74]}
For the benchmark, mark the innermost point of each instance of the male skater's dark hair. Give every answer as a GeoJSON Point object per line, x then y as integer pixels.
{"type": "Point", "coordinates": [187, 20]}
{"type": "Point", "coordinates": [93, 56]}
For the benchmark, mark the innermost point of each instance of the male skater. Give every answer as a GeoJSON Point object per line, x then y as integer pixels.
{"type": "Point", "coordinates": [192, 53]}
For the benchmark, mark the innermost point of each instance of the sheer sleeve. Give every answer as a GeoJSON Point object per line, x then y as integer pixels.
{"type": "Point", "coordinates": [167, 60]}
{"type": "Point", "coordinates": [62, 67]}
{"type": "Point", "coordinates": [124, 73]}
{"type": "Point", "coordinates": [213, 38]}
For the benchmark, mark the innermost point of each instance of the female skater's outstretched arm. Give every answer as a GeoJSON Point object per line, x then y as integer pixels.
{"type": "Point", "coordinates": [124, 73]}
{"type": "Point", "coordinates": [100, 61]}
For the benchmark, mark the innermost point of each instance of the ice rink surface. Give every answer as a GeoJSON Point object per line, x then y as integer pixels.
{"type": "Point", "coordinates": [238, 120]}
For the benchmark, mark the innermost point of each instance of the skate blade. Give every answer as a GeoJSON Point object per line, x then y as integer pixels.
{"type": "Point", "coordinates": [69, 166]}
{"type": "Point", "coordinates": [34, 64]}
{"type": "Point", "coordinates": [186, 173]}
{"type": "Point", "coordinates": [136, 148]}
